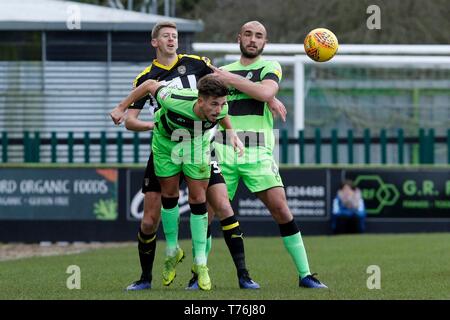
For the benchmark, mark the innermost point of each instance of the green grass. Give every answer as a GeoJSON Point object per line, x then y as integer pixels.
{"type": "Point", "coordinates": [413, 266]}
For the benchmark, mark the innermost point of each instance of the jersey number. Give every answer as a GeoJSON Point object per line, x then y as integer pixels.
{"type": "Point", "coordinates": [216, 167]}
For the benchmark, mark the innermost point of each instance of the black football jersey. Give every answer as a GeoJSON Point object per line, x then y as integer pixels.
{"type": "Point", "coordinates": [184, 73]}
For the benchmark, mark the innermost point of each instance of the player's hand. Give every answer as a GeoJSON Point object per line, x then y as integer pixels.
{"type": "Point", "coordinates": [223, 75]}
{"type": "Point", "coordinates": [117, 115]}
{"type": "Point", "coordinates": [151, 125]}
{"type": "Point", "coordinates": [277, 108]}
{"type": "Point", "coordinates": [237, 144]}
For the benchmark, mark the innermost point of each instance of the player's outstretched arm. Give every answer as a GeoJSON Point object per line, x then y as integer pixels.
{"type": "Point", "coordinates": [264, 91]}
{"type": "Point", "coordinates": [234, 139]}
{"type": "Point", "coordinates": [118, 113]}
{"type": "Point", "coordinates": [134, 124]}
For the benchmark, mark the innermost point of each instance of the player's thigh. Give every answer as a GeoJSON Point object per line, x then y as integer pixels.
{"type": "Point", "coordinates": [165, 167]}
{"type": "Point", "coordinates": [152, 212]}
{"type": "Point", "coordinates": [261, 175]}
{"type": "Point", "coordinates": [215, 178]}
{"type": "Point", "coordinates": [197, 189]}
{"type": "Point", "coordinates": [150, 182]}
{"type": "Point", "coordinates": [152, 199]}
{"type": "Point", "coordinates": [196, 160]}
{"type": "Point", "coordinates": [170, 186]}
{"type": "Point", "coordinates": [197, 171]}
{"type": "Point", "coordinates": [275, 201]}
{"type": "Point", "coordinates": [231, 176]}
{"type": "Point", "coordinates": [217, 197]}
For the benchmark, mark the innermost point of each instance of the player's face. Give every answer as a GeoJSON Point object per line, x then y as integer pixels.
{"type": "Point", "coordinates": [167, 41]}
{"type": "Point", "coordinates": [252, 40]}
{"type": "Point", "coordinates": [211, 107]}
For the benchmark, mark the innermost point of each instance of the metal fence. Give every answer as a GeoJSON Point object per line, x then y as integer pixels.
{"type": "Point", "coordinates": [330, 147]}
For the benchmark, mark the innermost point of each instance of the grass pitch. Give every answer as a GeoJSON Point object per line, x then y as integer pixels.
{"type": "Point", "coordinates": [413, 266]}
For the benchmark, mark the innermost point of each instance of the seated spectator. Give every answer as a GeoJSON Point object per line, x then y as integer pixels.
{"type": "Point", "coordinates": [349, 213]}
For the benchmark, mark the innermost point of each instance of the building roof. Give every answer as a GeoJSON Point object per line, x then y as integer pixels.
{"type": "Point", "coordinates": [57, 15]}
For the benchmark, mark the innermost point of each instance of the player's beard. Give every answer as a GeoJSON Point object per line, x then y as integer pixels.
{"type": "Point", "coordinates": [250, 55]}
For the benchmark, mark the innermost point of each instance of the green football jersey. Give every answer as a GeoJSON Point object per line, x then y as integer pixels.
{"type": "Point", "coordinates": [248, 114]}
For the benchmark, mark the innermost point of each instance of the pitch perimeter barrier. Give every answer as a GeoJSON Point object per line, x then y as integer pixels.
{"type": "Point", "coordinates": [104, 203]}
{"type": "Point", "coordinates": [332, 147]}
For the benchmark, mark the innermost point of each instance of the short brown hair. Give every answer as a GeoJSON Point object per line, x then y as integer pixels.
{"type": "Point", "coordinates": [160, 25]}
{"type": "Point", "coordinates": [211, 86]}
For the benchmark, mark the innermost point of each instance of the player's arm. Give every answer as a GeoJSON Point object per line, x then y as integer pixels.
{"type": "Point", "coordinates": [234, 139]}
{"type": "Point", "coordinates": [149, 86]}
{"type": "Point", "coordinates": [134, 124]}
{"type": "Point", "coordinates": [277, 108]}
{"type": "Point", "coordinates": [264, 91]}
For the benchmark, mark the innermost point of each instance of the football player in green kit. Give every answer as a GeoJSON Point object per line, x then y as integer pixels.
{"type": "Point", "coordinates": [181, 144]}
{"type": "Point", "coordinates": [182, 71]}
{"type": "Point", "coordinates": [254, 80]}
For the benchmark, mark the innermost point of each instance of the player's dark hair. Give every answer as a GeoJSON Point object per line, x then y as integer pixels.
{"type": "Point", "coordinates": [160, 25]}
{"type": "Point", "coordinates": [211, 86]}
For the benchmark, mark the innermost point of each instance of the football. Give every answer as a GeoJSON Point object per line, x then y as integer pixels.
{"type": "Point", "coordinates": [321, 44]}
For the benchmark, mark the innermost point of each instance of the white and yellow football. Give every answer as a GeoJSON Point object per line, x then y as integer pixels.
{"type": "Point", "coordinates": [321, 44]}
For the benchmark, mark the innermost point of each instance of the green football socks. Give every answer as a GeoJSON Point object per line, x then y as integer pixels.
{"type": "Point", "coordinates": [295, 247]}
{"type": "Point", "coordinates": [170, 220]}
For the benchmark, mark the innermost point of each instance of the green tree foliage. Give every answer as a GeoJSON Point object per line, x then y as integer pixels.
{"type": "Point", "coordinates": [288, 21]}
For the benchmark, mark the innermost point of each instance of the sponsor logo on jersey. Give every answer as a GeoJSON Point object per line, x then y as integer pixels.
{"type": "Point", "coordinates": [181, 69]}
{"type": "Point", "coordinates": [164, 94]}
{"type": "Point", "coordinates": [249, 75]}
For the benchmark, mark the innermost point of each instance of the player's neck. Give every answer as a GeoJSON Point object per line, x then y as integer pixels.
{"type": "Point", "coordinates": [248, 61]}
{"type": "Point", "coordinates": [166, 60]}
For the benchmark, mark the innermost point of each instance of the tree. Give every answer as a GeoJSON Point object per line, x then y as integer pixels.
{"type": "Point", "coordinates": [288, 21]}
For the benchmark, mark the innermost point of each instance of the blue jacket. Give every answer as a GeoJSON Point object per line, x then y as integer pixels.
{"type": "Point", "coordinates": [340, 210]}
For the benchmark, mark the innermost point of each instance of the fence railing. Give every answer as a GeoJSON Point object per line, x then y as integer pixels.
{"type": "Point", "coordinates": [32, 147]}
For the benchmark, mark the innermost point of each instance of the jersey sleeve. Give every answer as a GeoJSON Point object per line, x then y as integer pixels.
{"type": "Point", "coordinates": [139, 104]}
{"type": "Point", "coordinates": [163, 96]}
{"type": "Point", "coordinates": [207, 67]}
{"type": "Point", "coordinates": [272, 72]}
{"type": "Point", "coordinates": [207, 61]}
{"type": "Point", "coordinates": [175, 99]}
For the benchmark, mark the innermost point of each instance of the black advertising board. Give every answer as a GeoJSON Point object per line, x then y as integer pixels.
{"type": "Point", "coordinates": [404, 193]}
{"type": "Point", "coordinates": [306, 193]}
{"type": "Point", "coordinates": [135, 197]}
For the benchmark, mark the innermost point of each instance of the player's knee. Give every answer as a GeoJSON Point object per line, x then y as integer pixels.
{"type": "Point", "coordinates": [170, 194]}
{"type": "Point", "coordinates": [281, 213]}
{"type": "Point", "coordinates": [222, 209]}
{"type": "Point", "coordinates": [197, 198]}
{"type": "Point", "coordinates": [149, 226]}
